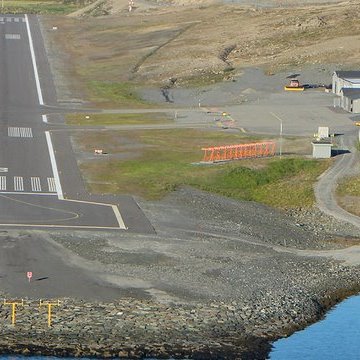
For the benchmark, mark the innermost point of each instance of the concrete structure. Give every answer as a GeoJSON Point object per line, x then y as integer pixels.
{"type": "Point", "coordinates": [322, 149]}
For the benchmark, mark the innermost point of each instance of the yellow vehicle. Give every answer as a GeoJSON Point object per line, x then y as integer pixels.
{"type": "Point", "coordinates": [357, 123]}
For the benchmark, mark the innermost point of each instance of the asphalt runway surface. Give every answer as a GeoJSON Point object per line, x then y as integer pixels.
{"type": "Point", "coordinates": [41, 187]}
{"type": "Point", "coordinates": [40, 183]}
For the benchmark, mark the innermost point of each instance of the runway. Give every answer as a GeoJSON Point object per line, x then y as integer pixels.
{"type": "Point", "coordinates": [40, 183]}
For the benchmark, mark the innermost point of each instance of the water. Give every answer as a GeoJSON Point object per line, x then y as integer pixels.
{"type": "Point", "coordinates": [335, 337]}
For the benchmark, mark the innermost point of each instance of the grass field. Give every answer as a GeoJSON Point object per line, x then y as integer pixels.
{"type": "Point", "coordinates": [349, 186]}
{"type": "Point", "coordinates": [38, 7]}
{"type": "Point", "coordinates": [117, 119]}
{"type": "Point", "coordinates": [154, 162]}
{"type": "Point", "coordinates": [119, 94]}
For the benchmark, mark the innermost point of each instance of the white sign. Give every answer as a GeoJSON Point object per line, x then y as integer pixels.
{"type": "Point", "coordinates": [29, 275]}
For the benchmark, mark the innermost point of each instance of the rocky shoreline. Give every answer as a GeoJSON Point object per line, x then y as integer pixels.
{"type": "Point", "coordinates": [136, 329]}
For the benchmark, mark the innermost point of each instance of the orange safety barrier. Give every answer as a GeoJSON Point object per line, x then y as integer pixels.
{"type": "Point", "coordinates": [241, 151]}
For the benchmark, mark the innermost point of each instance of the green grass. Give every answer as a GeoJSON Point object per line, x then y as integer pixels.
{"type": "Point", "coordinates": [38, 7]}
{"type": "Point", "coordinates": [282, 183]}
{"type": "Point", "coordinates": [163, 161]}
{"type": "Point", "coordinates": [114, 93]}
{"type": "Point", "coordinates": [117, 119]}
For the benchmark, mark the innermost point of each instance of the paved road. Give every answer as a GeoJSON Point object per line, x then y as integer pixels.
{"type": "Point", "coordinates": [325, 188]}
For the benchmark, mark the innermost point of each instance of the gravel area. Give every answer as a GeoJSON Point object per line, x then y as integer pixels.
{"type": "Point", "coordinates": [208, 247]}
{"type": "Point", "coordinates": [210, 251]}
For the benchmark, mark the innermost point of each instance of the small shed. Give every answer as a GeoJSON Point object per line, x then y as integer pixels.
{"type": "Point", "coordinates": [322, 149]}
{"type": "Point", "coordinates": [350, 100]}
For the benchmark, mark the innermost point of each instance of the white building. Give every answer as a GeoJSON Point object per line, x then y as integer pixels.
{"type": "Point", "coordinates": [346, 84]}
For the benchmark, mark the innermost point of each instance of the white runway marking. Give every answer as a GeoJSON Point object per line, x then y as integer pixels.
{"type": "Point", "coordinates": [18, 183]}
{"type": "Point", "coordinates": [54, 166]}
{"type": "Point", "coordinates": [3, 169]}
{"type": "Point", "coordinates": [32, 52]}
{"type": "Point", "coordinates": [2, 182]}
{"type": "Point", "coordinates": [20, 132]}
{"type": "Point", "coordinates": [35, 184]}
{"type": "Point", "coordinates": [51, 184]}
{"type": "Point", "coordinates": [22, 184]}
{"type": "Point", "coordinates": [12, 36]}
{"type": "Point", "coordinates": [12, 19]}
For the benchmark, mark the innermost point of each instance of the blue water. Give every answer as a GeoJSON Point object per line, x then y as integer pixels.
{"type": "Point", "coordinates": [335, 337]}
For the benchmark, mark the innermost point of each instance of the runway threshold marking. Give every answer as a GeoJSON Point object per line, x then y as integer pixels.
{"type": "Point", "coordinates": [2, 182]}
{"type": "Point", "coordinates": [35, 184]}
{"type": "Point", "coordinates": [23, 132]}
{"type": "Point", "coordinates": [51, 184]}
{"type": "Point", "coordinates": [18, 183]}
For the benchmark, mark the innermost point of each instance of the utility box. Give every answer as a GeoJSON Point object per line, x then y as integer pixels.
{"type": "Point", "coordinates": [322, 149]}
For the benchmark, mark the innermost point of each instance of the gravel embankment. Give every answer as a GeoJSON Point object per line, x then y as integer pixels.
{"type": "Point", "coordinates": [223, 276]}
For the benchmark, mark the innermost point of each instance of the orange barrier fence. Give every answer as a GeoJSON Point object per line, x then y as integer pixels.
{"type": "Point", "coordinates": [241, 151]}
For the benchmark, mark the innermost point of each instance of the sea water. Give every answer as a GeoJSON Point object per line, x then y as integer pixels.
{"type": "Point", "coordinates": [335, 337]}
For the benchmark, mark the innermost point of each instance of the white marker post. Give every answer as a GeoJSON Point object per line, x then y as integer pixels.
{"type": "Point", "coordinates": [29, 275]}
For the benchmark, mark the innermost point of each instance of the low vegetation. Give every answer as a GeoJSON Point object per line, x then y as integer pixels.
{"type": "Point", "coordinates": [119, 94]}
{"type": "Point", "coordinates": [40, 7]}
{"type": "Point", "coordinates": [156, 162]}
{"type": "Point", "coordinates": [349, 186]}
{"type": "Point", "coordinates": [117, 119]}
